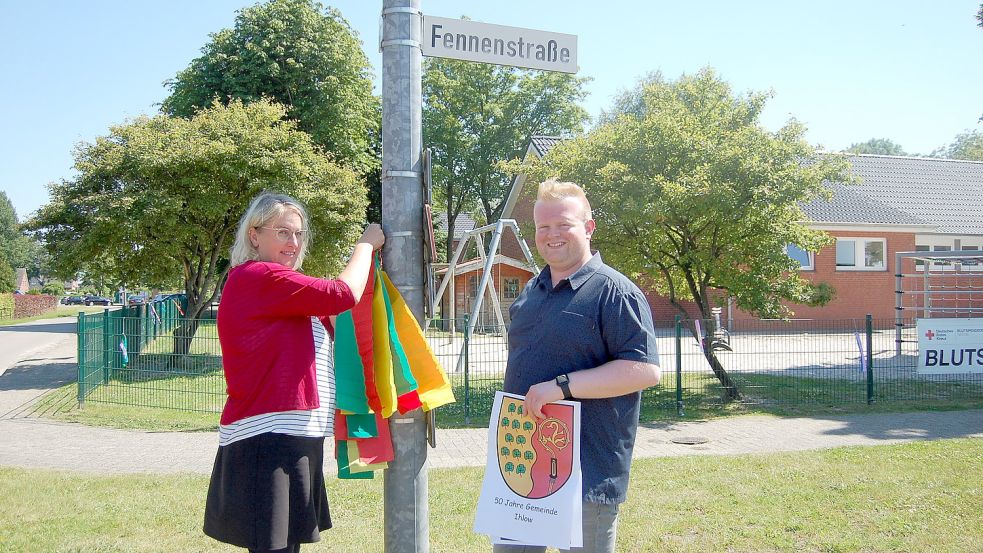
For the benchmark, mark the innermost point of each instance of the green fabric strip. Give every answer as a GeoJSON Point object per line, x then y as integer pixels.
{"type": "Point", "coordinates": [344, 472]}
{"type": "Point", "coordinates": [348, 368]}
{"type": "Point", "coordinates": [361, 426]}
{"type": "Point", "coordinates": [403, 377]}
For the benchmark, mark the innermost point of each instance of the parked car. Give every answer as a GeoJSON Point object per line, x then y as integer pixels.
{"type": "Point", "coordinates": [137, 299]}
{"type": "Point", "coordinates": [73, 300]}
{"type": "Point", "coordinates": [97, 300]}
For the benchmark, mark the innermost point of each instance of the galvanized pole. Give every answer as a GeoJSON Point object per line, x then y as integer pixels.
{"type": "Point", "coordinates": [406, 510]}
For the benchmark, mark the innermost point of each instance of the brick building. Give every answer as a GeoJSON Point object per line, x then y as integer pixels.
{"type": "Point", "coordinates": [901, 204]}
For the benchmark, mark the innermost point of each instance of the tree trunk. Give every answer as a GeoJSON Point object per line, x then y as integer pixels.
{"type": "Point", "coordinates": [184, 334]}
{"type": "Point", "coordinates": [731, 392]}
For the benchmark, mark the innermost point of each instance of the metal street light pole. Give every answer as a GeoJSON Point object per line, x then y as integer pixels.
{"type": "Point", "coordinates": [406, 511]}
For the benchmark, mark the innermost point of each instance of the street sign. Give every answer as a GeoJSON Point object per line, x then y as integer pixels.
{"type": "Point", "coordinates": [462, 39]}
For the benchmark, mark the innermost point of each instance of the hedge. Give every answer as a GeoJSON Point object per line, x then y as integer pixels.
{"type": "Point", "coordinates": [32, 305]}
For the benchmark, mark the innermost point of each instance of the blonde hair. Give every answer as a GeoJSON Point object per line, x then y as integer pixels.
{"type": "Point", "coordinates": [262, 210]}
{"type": "Point", "coordinates": [555, 189]}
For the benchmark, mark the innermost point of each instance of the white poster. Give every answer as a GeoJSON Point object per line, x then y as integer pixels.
{"type": "Point", "coordinates": [532, 491]}
{"type": "Point", "coordinates": [950, 346]}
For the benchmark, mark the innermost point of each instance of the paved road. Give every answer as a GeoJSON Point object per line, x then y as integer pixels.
{"type": "Point", "coordinates": [20, 342]}
{"type": "Point", "coordinates": [42, 443]}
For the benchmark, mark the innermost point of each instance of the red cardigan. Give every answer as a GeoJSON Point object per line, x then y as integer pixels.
{"type": "Point", "coordinates": [264, 328]}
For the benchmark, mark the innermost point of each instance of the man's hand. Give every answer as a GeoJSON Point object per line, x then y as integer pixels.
{"type": "Point", "coordinates": [541, 394]}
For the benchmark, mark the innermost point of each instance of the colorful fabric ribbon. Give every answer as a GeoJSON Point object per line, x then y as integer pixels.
{"type": "Point", "coordinates": [383, 364]}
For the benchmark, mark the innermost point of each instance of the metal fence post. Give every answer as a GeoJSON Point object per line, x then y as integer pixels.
{"type": "Point", "coordinates": [679, 367]}
{"type": "Point", "coordinates": [467, 384]}
{"type": "Point", "coordinates": [107, 343]}
{"type": "Point", "coordinates": [80, 331]}
{"type": "Point", "coordinates": [870, 359]}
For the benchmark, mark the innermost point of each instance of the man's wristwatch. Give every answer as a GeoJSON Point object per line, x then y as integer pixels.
{"type": "Point", "coordinates": [563, 381]}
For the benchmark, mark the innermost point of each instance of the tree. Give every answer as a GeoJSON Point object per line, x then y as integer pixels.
{"type": "Point", "coordinates": [967, 145]}
{"type": "Point", "coordinates": [695, 198]}
{"type": "Point", "coordinates": [880, 146]}
{"type": "Point", "coordinates": [301, 55]}
{"type": "Point", "coordinates": [160, 198]}
{"type": "Point", "coordinates": [8, 277]}
{"type": "Point", "coordinates": [16, 248]}
{"type": "Point", "coordinates": [476, 115]}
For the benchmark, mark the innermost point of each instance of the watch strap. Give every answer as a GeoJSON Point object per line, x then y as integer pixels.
{"type": "Point", "coordinates": [563, 381]}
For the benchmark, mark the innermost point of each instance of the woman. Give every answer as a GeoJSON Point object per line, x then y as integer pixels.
{"type": "Point", "coordinates": [267, 488]}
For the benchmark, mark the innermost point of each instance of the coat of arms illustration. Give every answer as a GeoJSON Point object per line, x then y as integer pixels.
{"type": "Point", "coordinates": [535, 456]}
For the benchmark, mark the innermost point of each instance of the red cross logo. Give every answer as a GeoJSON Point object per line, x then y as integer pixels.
{"type": "Point", "coordinates": [929, 334]}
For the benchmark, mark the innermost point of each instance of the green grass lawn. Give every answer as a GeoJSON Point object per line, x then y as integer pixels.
{"type": "Point", "coordinates": [924, 496]}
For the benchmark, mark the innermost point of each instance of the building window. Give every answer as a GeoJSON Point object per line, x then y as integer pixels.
{"type": "Point", "coordinates": [805, 259]}
{"type": "Point", "coordinates": [510, 288]}
{"type": "Point", "coordinates": [919, 264]}
{"type": "Point", "coordinates": [861, 254]}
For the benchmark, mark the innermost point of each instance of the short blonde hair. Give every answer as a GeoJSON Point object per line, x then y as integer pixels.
{"type": "Point", "coordinates": [555, 189]}
{"type": "Point", "coordinates": [262, 210]}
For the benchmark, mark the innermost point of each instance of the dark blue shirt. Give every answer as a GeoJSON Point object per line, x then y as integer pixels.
{"type": "Point", "coordinates": [594, 316]}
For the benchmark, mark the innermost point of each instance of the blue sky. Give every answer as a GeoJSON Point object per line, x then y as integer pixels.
{"type": "Point", "coordinates": [911, 71]}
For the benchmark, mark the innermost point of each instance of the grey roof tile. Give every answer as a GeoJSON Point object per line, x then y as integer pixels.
{"type": "Point", "coordinates": [849, 205]}
{"type": "Point", "coordinates": [944, 192]}
{"type": "Point", "coordinates": [462, 224]}
{"type": "Point", "coordinates": [544, 144]}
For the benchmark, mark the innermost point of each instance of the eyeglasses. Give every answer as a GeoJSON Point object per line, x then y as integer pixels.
{"type": "Point", "coordinates": [283, 234]}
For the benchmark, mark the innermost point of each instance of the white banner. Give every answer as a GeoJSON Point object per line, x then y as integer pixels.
{"type": "Point", "coordinates": [462, 39]}
{"type": "Point", "coordinates": [950, 346]}
{"type": "Point", "coordinates": [532, 493]}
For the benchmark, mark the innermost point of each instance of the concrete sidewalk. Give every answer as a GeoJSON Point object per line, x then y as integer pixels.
{"type": "Point", "coordinates": [42, 443]}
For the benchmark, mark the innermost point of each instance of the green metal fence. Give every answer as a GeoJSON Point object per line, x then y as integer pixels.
{"type": "Point", "coordinates": [769, 363]}
{"type": "Point", "coordinates": [149, 355]}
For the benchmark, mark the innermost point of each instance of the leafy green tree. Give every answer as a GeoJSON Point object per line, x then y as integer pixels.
{"type": "Point", "coordinates": [967, 145]}
{"type": "Point", "coordinates": [695, 198]}
{"type": "Point", "coordinates": [880, 146]}
{"type": "Point", "coordinates": [160, 198]}
{"type": "Point", "coordinates": [301, 55]}
{"type": "Point", "coordinates": [7, 277]}
{"type": "Point", "coordinates": [476, 115]}
{"type": "Point", "coordinates": [16, 248]}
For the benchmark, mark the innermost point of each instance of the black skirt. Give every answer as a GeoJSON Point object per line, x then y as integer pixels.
{"type": "Point", "coordinates": [267, 492]}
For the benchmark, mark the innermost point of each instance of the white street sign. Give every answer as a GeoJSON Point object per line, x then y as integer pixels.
{"type": "Point", "coordinates": [482, 42]}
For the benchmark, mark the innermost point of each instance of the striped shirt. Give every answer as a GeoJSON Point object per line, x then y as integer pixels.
{"type": "Point", "coordinates": [313, 424]}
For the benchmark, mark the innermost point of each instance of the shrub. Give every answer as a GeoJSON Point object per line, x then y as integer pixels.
{"type": "Point", "coordinates": [53, 289]}
{"type": "Point", "coordinates": [6, 306]}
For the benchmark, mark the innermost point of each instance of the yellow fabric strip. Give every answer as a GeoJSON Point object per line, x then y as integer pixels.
{"type": "Point", "coordinates": [434, 388]}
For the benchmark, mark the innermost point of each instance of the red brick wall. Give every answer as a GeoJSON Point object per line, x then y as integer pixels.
{"type": "Point", "coordinates": [857, 292]}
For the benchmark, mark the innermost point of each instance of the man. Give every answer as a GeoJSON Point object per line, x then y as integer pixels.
{"type": "Point", "coordinates": [581, 330]}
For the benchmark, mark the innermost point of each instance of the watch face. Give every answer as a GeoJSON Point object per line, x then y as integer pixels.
{"type": "Point", "coordinates": [562, 379]}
